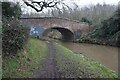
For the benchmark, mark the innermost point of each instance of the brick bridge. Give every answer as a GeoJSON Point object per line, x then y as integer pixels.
{"type": "Point", "coordinates": [70, 29]}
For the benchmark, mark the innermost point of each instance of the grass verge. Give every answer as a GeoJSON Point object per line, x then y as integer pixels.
{"type": "Point", "coordinates": [77, 65]}
{"type": "Point", "coordinates": [22, 65]}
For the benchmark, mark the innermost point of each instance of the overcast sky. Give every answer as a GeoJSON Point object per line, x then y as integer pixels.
{"type": "Point", "coordinates": [95, 1]}
{"type": "Point", "coordinates": [89, 2]}
{"type": "Point", "coordinates": [81, 3]}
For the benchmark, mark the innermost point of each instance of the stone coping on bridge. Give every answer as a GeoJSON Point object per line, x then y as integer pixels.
{"type": "Point", "coordinates": [52, 18]}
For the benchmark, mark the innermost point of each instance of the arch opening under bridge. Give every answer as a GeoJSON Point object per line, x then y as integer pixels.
{"type": "Point", "coordinates": [67, 35]}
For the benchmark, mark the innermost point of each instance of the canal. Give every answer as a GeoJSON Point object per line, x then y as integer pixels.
{"type": "Point", "coordinates": [106, 55]}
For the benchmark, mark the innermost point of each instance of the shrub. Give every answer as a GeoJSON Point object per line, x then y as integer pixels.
{"type": "Point", "coordinates": [109, 30]}
{"type": "Point", "coordinates": [14, 35]}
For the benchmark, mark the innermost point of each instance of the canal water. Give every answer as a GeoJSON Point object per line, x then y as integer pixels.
{"type": "Point", "coordinates": [106, 55]}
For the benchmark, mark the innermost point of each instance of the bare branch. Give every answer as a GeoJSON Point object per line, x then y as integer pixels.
{"type": "Point", "coordinates": [41, 4]}
{"type": "Point", "coordinates": [32, 6]}
{"type": "Point", "coordinates": [55, 3]}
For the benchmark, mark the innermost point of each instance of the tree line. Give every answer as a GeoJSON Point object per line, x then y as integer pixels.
{"type": "Point", "coordinates": [93, 13]}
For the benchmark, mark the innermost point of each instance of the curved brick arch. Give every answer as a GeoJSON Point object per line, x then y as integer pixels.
{"type": "Point", "coordinates": [50, 22]}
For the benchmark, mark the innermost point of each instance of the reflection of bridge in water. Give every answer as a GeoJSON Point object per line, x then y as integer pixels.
{"type": "Point", "coordinates": [70, 29]}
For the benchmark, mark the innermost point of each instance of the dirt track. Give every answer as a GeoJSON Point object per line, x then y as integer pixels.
{"type": "Point", "coordinates": [49, 69]}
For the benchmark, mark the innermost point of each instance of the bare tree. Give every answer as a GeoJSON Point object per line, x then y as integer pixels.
{"type": "Point", "coordinates": [39, 6]}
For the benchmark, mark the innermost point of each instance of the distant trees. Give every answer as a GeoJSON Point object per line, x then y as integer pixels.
{"type": "Point", "coordinates": [93, 13]}
{"type": "Point", "coordinates": [86, 20]}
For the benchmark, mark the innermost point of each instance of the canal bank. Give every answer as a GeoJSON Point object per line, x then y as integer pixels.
{"type": "Point", "coordinates": [76, 65]}
{"type": "Point", "coordinates": [106, 55]}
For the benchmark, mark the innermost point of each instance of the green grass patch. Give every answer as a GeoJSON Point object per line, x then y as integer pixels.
{"type": "Point", "coordinates": [10, 67]}
{"type": "Point", "coordinates": [80, 66]}
{"type": "Point", "coordinates": [22, 65]}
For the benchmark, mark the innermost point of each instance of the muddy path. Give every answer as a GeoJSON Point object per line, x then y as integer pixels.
{"type": "Point", "coordinates": [49, 69]}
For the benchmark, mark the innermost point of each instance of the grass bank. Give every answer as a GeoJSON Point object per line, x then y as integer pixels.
{"type": "Point", "coordinates": [77, 65]}
{"type": "Point", "coordinates": [26, 61]}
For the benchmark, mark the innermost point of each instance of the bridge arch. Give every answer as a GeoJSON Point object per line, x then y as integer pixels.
{"type": "Point", "coordinates": [66, 27]}
{"type": "Point", "coordinates": [67, 35]}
